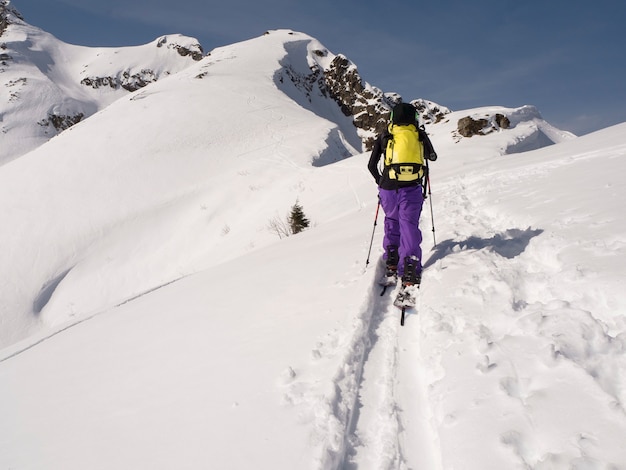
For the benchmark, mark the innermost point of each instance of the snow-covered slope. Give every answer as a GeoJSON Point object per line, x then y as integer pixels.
{"type": "Point", "coordinates": [287, 357]}
{"type": "Point", "coordinates": [197, 140]}
{"type": "Point", "coordinates": [101, 204]}
{"type": "Point", "coordinates": [47, 85]}
{"type": "Point", "coordinates": [150, 319]}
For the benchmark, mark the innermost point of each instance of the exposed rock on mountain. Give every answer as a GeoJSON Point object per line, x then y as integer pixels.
{"type": "Point", "coordinates": [368, 106]}
{"type": "Point", "coordinates": [469, 126]}
{"type": "Point", "coordinates": [522, 129]}
{"type": "Point", "coordinates": [53, 85]}
{"type": "Point", "coordinates": [337, 78]}
{"type": "Point", "coordinates": [194, 50]}
{"type": "Point", "coordinates": [126, 80]}
{"type": "Point", "coordinates": [61, 122]}
{"type": "Point", "coordinates": [8, 15]}
{"type": "Point", "coordinates": [47, 85]}
{"type": "Point", "coordinates": [430, 113]}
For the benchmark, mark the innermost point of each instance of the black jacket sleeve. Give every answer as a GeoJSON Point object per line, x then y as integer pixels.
{"type": "Point", "coordinates": [372, 166]}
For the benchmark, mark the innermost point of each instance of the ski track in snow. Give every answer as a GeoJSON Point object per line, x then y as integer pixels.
{"type": "Point", "coordinates": [386, 365]}
{"type": "Point", "coordinates": [357, 417]}
{"type": "Point", "coordinates": [374, 428]}
{"type": "Point", "coordinates": [391, 387]}
{"type": "Point", "coordinates": [362, 416]}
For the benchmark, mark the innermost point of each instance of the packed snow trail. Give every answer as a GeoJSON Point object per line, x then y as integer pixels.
{"type": "Point", "coordinates": [392, 427]}
{"type": "Point", "coordinates": [512, 335]}
{"type": "Point", "coordinates": [375, 414]}
{"type": "Point", "coordinates": [387, 416]}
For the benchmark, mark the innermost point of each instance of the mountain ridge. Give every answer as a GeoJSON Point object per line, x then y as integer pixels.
{"type": "Point", "coordinates": [277, 81]}
{"type": "Point", "coordinates": [50, 86]}
{"type": "Point", "coordinates": [46, 85]}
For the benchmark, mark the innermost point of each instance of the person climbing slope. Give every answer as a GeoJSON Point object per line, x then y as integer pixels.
{"type": "Point", "coordinates": [398, 167]}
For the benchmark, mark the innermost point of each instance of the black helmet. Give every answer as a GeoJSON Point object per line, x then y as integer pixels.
{"type": "Point", "coordinates": [404, 114]}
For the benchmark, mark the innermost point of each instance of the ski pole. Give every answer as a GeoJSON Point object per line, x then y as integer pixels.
{"type": "Point", "coordinates": [430, 197]}
{"type": "Point", "coordinates": [373, 230]}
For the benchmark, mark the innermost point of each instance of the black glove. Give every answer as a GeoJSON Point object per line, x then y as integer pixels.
{"type": "Point", "coordinates": [432, 157]}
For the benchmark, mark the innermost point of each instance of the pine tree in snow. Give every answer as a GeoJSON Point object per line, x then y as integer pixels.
{"type": "Point", "coordinates": [297, 220]}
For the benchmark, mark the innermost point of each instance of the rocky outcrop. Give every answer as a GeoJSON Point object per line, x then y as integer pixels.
{"type": "Point", "coordinates": [61, 122]}
{"type": "Point", "coordinates": [468, 126]}
{"type": "Point", "coordinates": [8, 15]}
{"type": "Point", "coordinates": [134, 81]}
{"type": "Point", "coordinates": [368, 106]}
{"type": "Point", "coordinates": [430, 113]}
{"type": "Point", "coordinates": [502, 121]}
{"type": "Point", "coordinates": [4, 58]}
{"type": "Point", "coordinates": [195, 51]}
{"type": "Point", "coordinates": [308, 83]}
{"type": "Point", "coordinates": [125, 80]}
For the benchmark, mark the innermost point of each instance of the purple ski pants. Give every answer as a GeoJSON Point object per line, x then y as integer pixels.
{"type": "Point", "coordinates": [403, 208]}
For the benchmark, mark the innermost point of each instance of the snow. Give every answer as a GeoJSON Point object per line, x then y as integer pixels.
{"type": "Point", "coordinates": [43, 76]}
{"type": "Point", "coordinates": [149, 318]}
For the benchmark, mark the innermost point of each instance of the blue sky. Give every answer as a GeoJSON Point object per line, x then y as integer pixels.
{"type": "Point", "coordinates": [566, 57]}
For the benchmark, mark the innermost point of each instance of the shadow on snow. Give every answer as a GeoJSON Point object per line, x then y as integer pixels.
{"type": "Point", "coordinates": [508, 244]}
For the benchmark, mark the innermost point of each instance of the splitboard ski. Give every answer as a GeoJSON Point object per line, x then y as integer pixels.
{"type": "Point", "coordinates": [385, 285]}
{"type": "Point", "coordinates": [406, 299]}
{"type": "Point", "coordinates": [387, 281]}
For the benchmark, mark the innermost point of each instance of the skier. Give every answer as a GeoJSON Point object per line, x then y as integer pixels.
{"type": "Point", "coordinates": [403, 146]}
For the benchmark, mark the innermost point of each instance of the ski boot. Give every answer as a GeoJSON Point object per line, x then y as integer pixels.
{"type": "Point", "coordinates": [390, 278]}
{"type": "Point", "coordinates": [411, 279]}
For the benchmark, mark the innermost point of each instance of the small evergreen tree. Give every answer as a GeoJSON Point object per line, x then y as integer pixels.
{"type": "Point", "coordinates": [297, 220]}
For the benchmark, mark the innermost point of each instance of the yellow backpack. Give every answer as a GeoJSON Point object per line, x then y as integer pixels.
{"type": "Point", "coordinates": [404, 155]}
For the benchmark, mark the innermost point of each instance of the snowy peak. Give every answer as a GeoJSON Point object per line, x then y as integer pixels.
{"type": "Point", "coordinates": [313, 74]}
{"type": "Point", "coordinates": [219, 144]}
{"type": "Point", "coordinates": [324, 76]}
{"type": "Point", "coordinates": [132, 68]}
{"type": "Point", "coordinates": [430, 112]}
{"type": "Point", "coordinates": [484, 121]}
{"type": "Point", "coordinates": [496, 130]}
{"type": "Point", "coordinates": [47, 85]}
